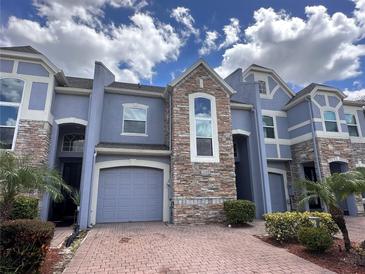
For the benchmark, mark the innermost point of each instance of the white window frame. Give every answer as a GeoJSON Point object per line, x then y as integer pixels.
{"type": "Point", "coordinates": [139, 106]}
{"type": "Point", "coordinates": [339, 129]}
{"type": "Point", "coordinates": [12, 104]}
{"type": "Point", "coordinates": [353, 125]}
{"type": "Point", "coordinates": [273, 126]}
{"type": "Point", "coordinates": [215, 144]}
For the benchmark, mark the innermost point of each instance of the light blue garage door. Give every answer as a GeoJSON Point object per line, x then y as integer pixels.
{"type": "Point", "coordinates": [130, 194]}
{"type": "Point", "coordinates": [277, 192]}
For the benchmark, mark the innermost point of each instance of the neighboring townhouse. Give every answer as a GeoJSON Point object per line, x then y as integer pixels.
{"type": "Point", "coordinates": [176, 153]}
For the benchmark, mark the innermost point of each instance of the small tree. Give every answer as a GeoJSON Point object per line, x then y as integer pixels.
{"type": "Point", "coordinates": [332, 190]}
{"type": "Point", "coordinates": [17, 176]}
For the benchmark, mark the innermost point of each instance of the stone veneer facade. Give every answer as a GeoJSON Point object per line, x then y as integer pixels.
{"type": "Point", "coordinates": [199, 189]}
{"type": "Point", "coordinates": [33, 140]}
{"type": "Point", "coordinates": [329, 150]}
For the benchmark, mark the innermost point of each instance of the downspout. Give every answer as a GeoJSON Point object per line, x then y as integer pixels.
{"type": "Point", "coordinates": [315, 149]}
{"type": "Point", "coordinates": [171, 219]}
{"type": "Point", "coordinates": [92, 187]}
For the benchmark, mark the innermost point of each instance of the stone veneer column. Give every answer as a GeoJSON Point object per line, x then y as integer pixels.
{"type": "Point", "coordinates": [199, 189]}
{"type": "Point", "coordinates": [33, 140]}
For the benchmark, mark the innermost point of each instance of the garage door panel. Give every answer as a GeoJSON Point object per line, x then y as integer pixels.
{"type": "Point", "coordinates": [130, 194]}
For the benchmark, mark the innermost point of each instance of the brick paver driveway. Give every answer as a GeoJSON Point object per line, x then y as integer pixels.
{"type": "Point", "coordinates": [157, 248]}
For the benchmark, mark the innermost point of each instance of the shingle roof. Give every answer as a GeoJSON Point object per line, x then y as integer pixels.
{"type": "Point", "coordinates": [305, 91]}
{"type": "Point", "coordinates": [133, 146]}
{"type": "Point", "coordinates": [360, 103]}
{"type": "Point", "coordinates": [136, 86]}
{"type": "Point", "coordinates": [77, 82]}
{"type": "Point", "coordinates": [26, 49]}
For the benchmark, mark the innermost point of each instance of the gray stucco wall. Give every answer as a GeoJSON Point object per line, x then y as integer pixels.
{"type": "Point", "coordinates": [279, 100]}
{"type": "Point", "coordinates": [298, 114]}
{"type": "Point", "coordinates": [65, 106]}
{"type": "Point", "coordinates": [112, 119]}
{"type": "Point", "coordinates": [241, 119]}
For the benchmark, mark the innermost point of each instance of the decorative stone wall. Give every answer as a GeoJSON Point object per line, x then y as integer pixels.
{"type": "Point", "coordinates": [358, 154]}
{"type": "Point", "coordinates": [199, 189]}
{"type": "Point", "coordinates": [33, 140]}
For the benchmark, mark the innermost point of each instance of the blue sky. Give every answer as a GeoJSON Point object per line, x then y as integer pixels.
{"type": "Point", "coordinates": [153, 41]}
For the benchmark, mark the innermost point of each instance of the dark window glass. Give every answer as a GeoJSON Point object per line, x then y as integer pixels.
{"type": "Point", "coordinates": [268, 122]}
{"type": "Point", "coordinates": [331, 126]}
{"type": "Point", "coordinates": [262, 87]}
{"type": "Point", "coordinates": [73, 143]}
{"type": "Point", "coordinates": [353, 131]}
{"type": "Point", "coordinates": [6, 137]}
{"type": "Point", "coordinates": [204, 146]}
{"type": "Point", "coordinates": [134, 127]}
{"type": "Point", "coordinates": [202, 107]}
{"type": "Point", "coordinates": [269, 132]}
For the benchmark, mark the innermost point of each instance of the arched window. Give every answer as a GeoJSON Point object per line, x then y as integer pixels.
{"type": "Point", "coordinates": [11, 92]}
{"type": "Point", "coordinates": [203, 128]}
{"type": "Point", "coordinates": [73, 142]}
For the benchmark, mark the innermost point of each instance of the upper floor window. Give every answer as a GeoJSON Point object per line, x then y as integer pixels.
{"type": "Point", "coordinates": [330, 121]}
{"type": "Point", "coordinates": [203, 126]}
{"type": "Point", "coordinates": [262, 87]}
{"type": "Point", "coordinates": [269, 129]}
{"type": "Point", "coordinates": [352, 125]}
{"type": "Point", "coordinates": [11, 92]}
{"type": "Point", "coordinates": [73, 142]}
{"type": "Point", "coordinates": [134, 119]}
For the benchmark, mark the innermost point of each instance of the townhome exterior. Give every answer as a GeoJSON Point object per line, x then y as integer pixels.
{"type": "Point", "coordinates": [176, 153]}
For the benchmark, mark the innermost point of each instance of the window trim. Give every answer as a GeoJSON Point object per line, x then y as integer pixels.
{"type": "Point", "coordinates": [19, 105]}
{"type": "Point", "coordinates": [215, 144]}
{"type": "Point", "coordinates": [63, 142]}
{"type": "Point", "coordinates": [339, 129]}
{"type": "Point", "coordinates": [273, 126]}
{"type": "Point", "coordinates": [139, 106]}
{"type": "Point", "coordinates": [357, 125]}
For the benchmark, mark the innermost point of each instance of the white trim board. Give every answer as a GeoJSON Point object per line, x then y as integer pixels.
{"type": "Point", "coordinates": [128, 163]}
{"type": "Point", "coordinates": [71, 120]}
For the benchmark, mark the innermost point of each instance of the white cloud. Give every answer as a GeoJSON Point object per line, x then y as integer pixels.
{"type": "Point", "coordinates": [76, 40]}
{"type": "Point", "coordinates": [182, 15]}
{"type": "Point", "coordinates": [355, 94]}
{"type": "Point", "coordinates": [209, 43]}
{"type": "Point", "coordinates": [319, 48]}
{"type": "Point", "coordinates": [231, 32]}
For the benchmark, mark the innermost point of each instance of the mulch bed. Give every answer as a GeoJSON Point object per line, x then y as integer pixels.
{"type": "Point", "coordinates": [52, 258]}
{"type": "Point", "coordinates": [334, 259]}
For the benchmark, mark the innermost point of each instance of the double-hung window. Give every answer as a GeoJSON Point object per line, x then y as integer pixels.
{"type": "Point", "coordinates": [269, 129]}
{"type": "Point", "coordinates": [352, 125]}
{"type": "Point", "coordinates": [11, 91]}
{"type": "Point", "coordinates": [330, 121]}
{"type": "Point", "coordinates": [134, 119]}
{"type": "Point", "coordinates": [203, 128]}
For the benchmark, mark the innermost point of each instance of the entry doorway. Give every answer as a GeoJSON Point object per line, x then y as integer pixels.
{"type": "Point", "coordinates": [63, 213]}
{"type": "Point", "coordinates": [340, 167]}
{"type": "Point", "coordinates": [310, 174]}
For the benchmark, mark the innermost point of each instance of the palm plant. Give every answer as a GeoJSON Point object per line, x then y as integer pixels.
{"type": "Point", "coordinates": [17, 176]}
{"type": "Point", "coordinates": [332, 190]}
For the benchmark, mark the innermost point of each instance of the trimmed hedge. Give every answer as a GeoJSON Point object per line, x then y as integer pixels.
{"type": "Point", "coordinates": [24, 208]}
{"type": "Point", "coordinates": [316, 239]}
{"type": "Point", "coordinates": [284, 226]}
{"type": "Point", "coordinates": [23, 245]}
{"type": "Point", "coordinates": [239, 211]}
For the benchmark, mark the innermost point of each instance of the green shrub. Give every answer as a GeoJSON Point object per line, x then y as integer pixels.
{"type": "Point", "coordinates": [23, 245]}
{"type": "Point", "coordinates": [284, 226]}
{"type": "Point", "coordinates": [24, 208]}
{"type": "Point", "coordinates": [239, 211]}
{"type": "Point", "coordinates": [316, 239]}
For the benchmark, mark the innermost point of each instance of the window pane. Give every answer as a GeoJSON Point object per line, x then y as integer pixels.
{"type": "Point", "coordinates": [268, 121]}
{"type": "Point", "coordinates": [11, 90]}
{"type": "Point", "coordinates": [8, 115]}
{"type": "Point", "coordinates": [269, 132]}
{"type": "Point", "coordinates": [138, 114]}
{"type": "Point", "coordinates": [6, 137]}
{"type": "Point", "coordinates": [350, 119]}
{"type": "Point", "coordinates": [203, 128]}
{"type": "Point", "coordinates": [204, 147]}
{"type": "Point", "coordinates": [134, 127]}
{"type": "Point", "coordinates": [353, 131]}
{"type": "Point", "coordinates": [202, 107]}
{"type": "Point", "coordinates": [73, 142]}
{"type": "Point", "coordinates": [262, 87]}
{"type": "Point", "coordinates": [329, 115]}
{"type": "Point", "coordinates": [331, 126]}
